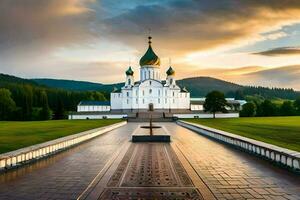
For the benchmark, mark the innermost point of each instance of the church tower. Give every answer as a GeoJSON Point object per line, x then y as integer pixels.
{"type": "Point", "coordinates": [170, 77]}
{"type": "Point", "coordinates": [129, 78]}
{"type": "Point", "coordinates": [150, 64]}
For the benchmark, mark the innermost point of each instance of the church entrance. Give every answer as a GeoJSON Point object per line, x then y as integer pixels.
{"type": "Point", "coordinates": [151, 108]}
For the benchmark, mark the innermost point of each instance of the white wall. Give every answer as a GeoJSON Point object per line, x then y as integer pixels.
{"type": "Point", "coordinates": [196, 107]}
{"type": "Point", "coordinates": [207, 115]}
{"type": "Point", "coordinates": [116, 101]}
{"type": "Point", "coordinates": [109, 116]}
{"type": "Point", "coordinates": [149, 72]}
{"type": "Point", "coordinates": [86, 108]}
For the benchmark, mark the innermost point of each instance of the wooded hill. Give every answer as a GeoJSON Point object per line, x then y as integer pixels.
{"type": "Point", "coordinates": [198, 86]}
{"type": "Point", "coordinates": [27, 98]}
{"type": "Point", "coordinates": [35, 99]}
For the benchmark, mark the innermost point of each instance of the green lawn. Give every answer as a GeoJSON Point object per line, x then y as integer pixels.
{"type": "Point", "coordinates": [280, 131]}
{"type": "Point", "coordinates": [15, 135]}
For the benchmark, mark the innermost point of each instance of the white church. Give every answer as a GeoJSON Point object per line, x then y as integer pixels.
{"type": "Point", "coordinates": [150, 92]}
{"type": "Point", "coordinates": [153, 92]}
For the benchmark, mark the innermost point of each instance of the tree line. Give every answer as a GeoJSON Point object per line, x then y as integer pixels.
{"type": "Point", "coordinates": [265, 92]}
{"type": "Point", "coordinates": [25, 101]}
{"type": "Point", "coordinates": [215, 102]}
{"type": "Point", "coordinates": [269, 108]}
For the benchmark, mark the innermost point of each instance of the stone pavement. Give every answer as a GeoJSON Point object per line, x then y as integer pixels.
{"type": "Point", "coordinates": [232, 174]}
{"type": "Point", "coordinates": [212, 167]}
{"type": "Point", "coordinates": [65, 175]}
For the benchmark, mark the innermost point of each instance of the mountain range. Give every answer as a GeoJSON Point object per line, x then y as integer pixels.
{"type": "Point", "coordinates": [284, 76]}
{"type": "Point", "coordinates": [198, 86]}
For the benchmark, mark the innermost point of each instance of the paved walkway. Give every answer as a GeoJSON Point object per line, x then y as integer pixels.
{"type": "Point", "coordinates": [227, 172]}
{"type": "Point", "coordinates": [232, 174]}
{"type": "Point", "coordinates": [65, 175]}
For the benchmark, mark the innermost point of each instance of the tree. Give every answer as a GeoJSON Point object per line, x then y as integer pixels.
{"type": "Point", "coordinates": [248, 110]}
{"type": "Point", "coordinates": [45, 112]}
{"type": "Point", "coordinates": [27, 101]}
{"type": "Point", "coordinates": [287, 109]}
{"type": "Point", "coordinates": [239, 95]}
{"type": "Point", "coordinates": [215, 102]}
{"type": "Point", "coordinates": [7, 104]}
{"type": "Point", "coordinates": [297, 105]}
{"type": "Point", "coordinates": [59, 112]}
{"type": "Point", "coordinates": [267, 108]}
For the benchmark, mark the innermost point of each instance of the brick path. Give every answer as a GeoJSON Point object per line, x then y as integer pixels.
{"type": "Point", "coordinates": [229, 173]}
{"type": "Point", "coordinates": [232, 174]}
{"type": "Point", "coordinates": [65, 175]}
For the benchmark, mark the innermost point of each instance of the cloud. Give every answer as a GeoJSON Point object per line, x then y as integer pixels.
{"type": "Point", "coordinates": [283, 77]}
{"type": "Point", "coordinates": [36, 26]}
{"type": "Point", "coordinates": [181, 27]}
{"type": "Point", "coordinates": [281, 51]}
{"type": "Point", "coordinates": [287, 77]}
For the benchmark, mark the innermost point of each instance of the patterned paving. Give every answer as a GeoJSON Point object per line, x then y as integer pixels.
{"type": "Point", "coordinates": [149, 171]}
{"type": "Point", "coordinates": [227, 172]}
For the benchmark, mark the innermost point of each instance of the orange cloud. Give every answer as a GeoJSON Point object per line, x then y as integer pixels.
{"type": "Point", "coordinates": [281, 51]}
{"type": "Point", "coordinates": [183, 27]}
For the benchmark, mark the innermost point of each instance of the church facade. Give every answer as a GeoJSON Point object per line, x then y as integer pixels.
{"type": "Point", "coordinates": [151, 91]}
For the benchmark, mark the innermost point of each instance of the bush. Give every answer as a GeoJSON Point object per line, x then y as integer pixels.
{"type": "Point", "coordinates": [248, 110]}
{"type": "Point", "coordinates": [287, 109]}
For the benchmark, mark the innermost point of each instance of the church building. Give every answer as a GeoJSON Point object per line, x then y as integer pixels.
{"type": "Point", "coordinates": [151, 91]}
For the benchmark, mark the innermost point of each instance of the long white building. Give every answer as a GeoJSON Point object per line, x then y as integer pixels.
{"type": "Point", "coordinates": [151, 91]}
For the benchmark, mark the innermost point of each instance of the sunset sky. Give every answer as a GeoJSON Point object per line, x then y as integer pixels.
{"type": "Point", "coordinates": [253, 42]}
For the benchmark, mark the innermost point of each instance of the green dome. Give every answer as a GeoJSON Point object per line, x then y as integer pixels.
{"type": "Point", "coordinates": [129, 72]}
{"type": "Point", "coordinates": [170, 71]}
{"type": "Point", "coordinates": [150, 58]}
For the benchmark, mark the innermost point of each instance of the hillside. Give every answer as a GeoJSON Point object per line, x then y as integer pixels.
{"type": "Point", "coordinates": [26, 99]}
{"type": "Point", "coordinates": [77, 85]}
{"type": "Point", "coordinates": [8, 79]}
{"type": "Point", "coordinates": [198, 86]}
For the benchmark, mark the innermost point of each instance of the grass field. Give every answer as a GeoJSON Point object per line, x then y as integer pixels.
{"type": "Point", "coordinates": [15, 135]}
{"type": "Point", "coordinates": [280, 131]}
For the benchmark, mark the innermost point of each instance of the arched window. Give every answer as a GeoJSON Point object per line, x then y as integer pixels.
{"type": "Point", "coordinates": [171, 81]}
{"type": "Point", "coordinates": [150, 91]}
{"type": "Point", "coordinates": [129, 81]}
{"type": "Point", "coordinates": [127, 94]}
{"type": "Point", "coordinates": [150, 82]}
{"type": "Point", "coordinates": [158, 92]}
{"type": "Point", "coordinates": [143, 93]}
{"type": "Point", "coordinates": [173, 94]}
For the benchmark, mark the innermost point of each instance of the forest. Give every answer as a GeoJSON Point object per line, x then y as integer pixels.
{"type": "Point", "coordinates": [26, 100]}
{"type": "Point", "coordinates": [22, 99]}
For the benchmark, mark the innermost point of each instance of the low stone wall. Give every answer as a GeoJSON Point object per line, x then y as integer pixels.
{"type": "Point", "coordinates": [206, 115]}
{"type": "Point", "coordinates": [284, 157]}
{"type": "Point", "coordinates": [34, 152]}
{"type": "Point", "coordinates": [97, 116]}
